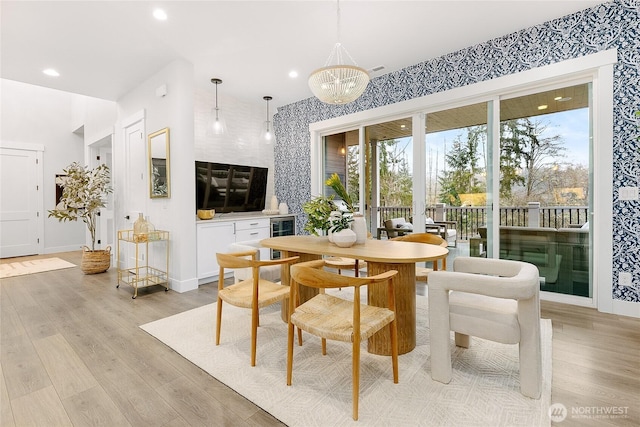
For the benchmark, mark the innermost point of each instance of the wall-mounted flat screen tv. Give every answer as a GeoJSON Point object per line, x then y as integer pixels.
{"type": "Point", "coordinates": [230, 188]}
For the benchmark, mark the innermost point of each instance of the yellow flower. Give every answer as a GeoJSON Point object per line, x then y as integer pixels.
{"type": "Point", "coordinates": [334, 182]}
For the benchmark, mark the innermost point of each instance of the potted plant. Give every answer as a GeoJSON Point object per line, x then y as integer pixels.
{"type": "Point", "coordinates": [340, 220]}
{"type": "Point", "coordinates": [83, 194]}
{"type": "Point", "coordinates": [318, 211]}
{"type": "Point", "coordinates": [340, 229]}
{"type": "Point", "coordinates": [324, 214]}
{"type": "Point", "coordinates": [357, 223]}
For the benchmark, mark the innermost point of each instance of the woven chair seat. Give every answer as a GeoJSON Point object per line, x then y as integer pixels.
{"type": "Point", "coordinates": [240, 294]}
{"type": "Point", "coordinates": [331, 317]}
{"type": "Point", "coordinates": [422, 273]}
{"type": "Point", "coordinates": [344, 263]}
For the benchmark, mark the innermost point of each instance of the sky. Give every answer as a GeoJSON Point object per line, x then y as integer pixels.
{"type": "Point", "coordinates": [571, 125]}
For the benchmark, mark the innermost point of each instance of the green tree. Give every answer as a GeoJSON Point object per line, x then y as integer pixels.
{"type": "Point", "coordinates": [396, 186]}
{"type": "Point", "coordinates": [353, 172]}
{"type": "Point", "coordinates": [396, 183]}
{"type": "Point", "coordinates": [540, 149]}
{"type": "Point", "coordinates": [526, 154]}
{"type": "Point", "coordinates": [465, 173]}
{"type": "Point", "coordinates": [511, 147]}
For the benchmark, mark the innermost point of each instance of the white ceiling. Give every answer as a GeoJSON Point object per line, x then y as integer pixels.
{"type": "Point", "coordinates": [106, 48]}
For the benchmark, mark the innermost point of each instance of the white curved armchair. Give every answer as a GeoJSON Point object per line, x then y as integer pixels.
{"type": "Point", "coordinates": [494, 299]}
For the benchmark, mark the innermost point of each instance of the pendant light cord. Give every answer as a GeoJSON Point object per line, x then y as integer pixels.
{"type": "Point", "coordinates": [216, 101]}
{"type": "Point", "coordinates": [338, 23]}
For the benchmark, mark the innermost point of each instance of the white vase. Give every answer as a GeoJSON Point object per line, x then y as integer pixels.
{"type": "Point", "coordinates": [334, 215]}
{"type": "Point", "coordinates": [283, 209]}
{"type": "Point", "coordinates": [359, 226]}
{"type": "Point", "coordinates": [344, 238]}
{"type": "Point", "coordinates": [330, 235]}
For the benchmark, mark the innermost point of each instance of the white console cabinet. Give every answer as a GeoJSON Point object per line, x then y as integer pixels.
{"type": "Point", "coordinates": [217, 235]}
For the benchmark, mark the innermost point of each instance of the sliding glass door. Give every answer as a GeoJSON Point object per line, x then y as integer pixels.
{"type": "Point", "coordinates": [545, 188]}
{"type": "Point", "coordinates": [528, 155]}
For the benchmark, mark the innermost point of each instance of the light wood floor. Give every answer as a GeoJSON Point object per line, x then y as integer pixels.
{"type": "Point", "coordinates": [72, 353]}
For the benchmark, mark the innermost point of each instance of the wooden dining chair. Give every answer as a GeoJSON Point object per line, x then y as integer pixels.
{"type": "Point", "coordinates": [253, 293]}
{"type": "Point", "coordinates": [334, 318]}
{"type": "Point", "coordinates": [429, 239]}
{"type": "Point", "coordinates": [344, 263]}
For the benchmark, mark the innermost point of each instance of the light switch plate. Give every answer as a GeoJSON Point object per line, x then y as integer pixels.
{"type": "Point", "coordinates": [628, 193]}
{"type": "Point", "coordinates": [624, 279]}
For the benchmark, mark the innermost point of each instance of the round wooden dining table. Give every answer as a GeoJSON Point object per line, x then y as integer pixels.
{"type": "Point", "coordinates": [381, 256]}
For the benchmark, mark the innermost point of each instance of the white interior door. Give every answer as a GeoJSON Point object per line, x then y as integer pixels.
{"type": "Point", "coordinates": [136, 162]}
{"type": "Point", "coordinates": [106, 225]}
{"type": "Point", "coordinates": [136, 187]}
{"type": "Point", "coordinates": [20, 202]}
{"type": "Point", "coordinates": [101, 153]}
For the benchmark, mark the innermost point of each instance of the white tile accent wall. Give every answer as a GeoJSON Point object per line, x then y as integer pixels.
{"type": "Point", "coordinates": [242, 143]}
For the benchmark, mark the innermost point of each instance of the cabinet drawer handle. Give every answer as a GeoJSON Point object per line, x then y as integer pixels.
{"type": "Point", "coordinates": [253, 234]}
{"type": "Point", "coordinates": [254, 223]}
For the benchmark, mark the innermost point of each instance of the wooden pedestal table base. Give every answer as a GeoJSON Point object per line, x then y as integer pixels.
{"type": "Point", "coordinates": [405, 285]}
{"type": "Point", "coordinates": [305, 293]}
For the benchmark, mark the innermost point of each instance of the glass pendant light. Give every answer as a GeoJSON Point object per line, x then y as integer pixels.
{"type": "Point", "coordinates": [267, 131]}
{"type": "Point", "coordinates": [218, 124]}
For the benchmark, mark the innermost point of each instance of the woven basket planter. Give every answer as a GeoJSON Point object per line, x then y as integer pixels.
{"type": "Point", "coordinates": [94, 262]}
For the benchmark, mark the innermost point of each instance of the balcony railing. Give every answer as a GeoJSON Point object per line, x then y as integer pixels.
{"type": "Point", "coordinates": [468, 219]}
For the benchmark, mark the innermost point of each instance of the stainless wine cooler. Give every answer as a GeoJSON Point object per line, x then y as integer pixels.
{"type": "Point", "coordinates": [282, 226]}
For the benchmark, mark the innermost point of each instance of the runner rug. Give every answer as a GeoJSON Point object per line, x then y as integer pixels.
{"type": "Point", "coordinates": [484, 390]}
{"type": "Point", "coordinates": [32, 266]}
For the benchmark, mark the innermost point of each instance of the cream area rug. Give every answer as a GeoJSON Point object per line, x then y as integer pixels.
{"type": "Point", "coordinates": [484, 390]}
{"type": "Point", "coordinates": [32, 266]}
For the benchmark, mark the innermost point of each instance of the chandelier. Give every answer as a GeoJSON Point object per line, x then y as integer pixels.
{"type": "Point", "coordinates": [336, 82]}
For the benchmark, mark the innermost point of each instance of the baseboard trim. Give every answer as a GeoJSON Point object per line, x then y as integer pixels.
{"type": "Point", "coordinates": [181, 286]}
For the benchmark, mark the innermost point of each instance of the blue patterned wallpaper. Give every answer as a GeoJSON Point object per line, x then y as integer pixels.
{"type": "Point", "coordinates": [610, 25]}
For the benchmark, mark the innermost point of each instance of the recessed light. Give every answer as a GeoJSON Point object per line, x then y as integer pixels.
{"type": "Point", "coordinates": [293, 74]}
{"type": "Point", "coordinates": [403, 126]}
{"type": "Point", "coordinates": [51, 72]}
{"type": "Point", "coordinates": [557, 98]}
{"type": "Point", "coordinates": [160, 15]}
{"type": "Point", "coordinates": [542, 107]}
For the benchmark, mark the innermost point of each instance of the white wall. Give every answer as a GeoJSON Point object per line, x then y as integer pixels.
{"type": "Point", "coordinates": [177, 213]}
{"type": "Point", "coordinates": [96, 117]}
{"type": "Point", "coordinates": [38, 115]}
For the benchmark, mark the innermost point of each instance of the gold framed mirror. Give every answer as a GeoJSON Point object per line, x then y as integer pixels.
{"type": "Point", "coordinates": [159, 176]}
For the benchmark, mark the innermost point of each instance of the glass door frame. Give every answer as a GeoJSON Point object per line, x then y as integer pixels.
{"type": "Point", "coordinates": [597, 67]}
